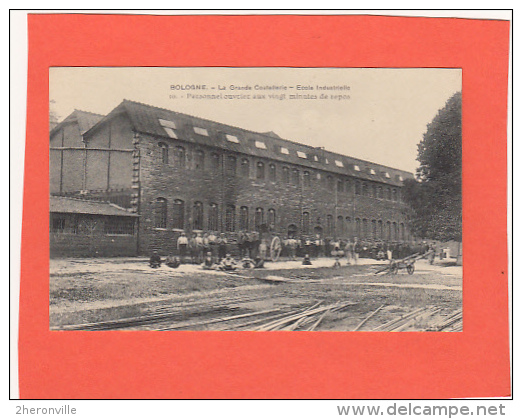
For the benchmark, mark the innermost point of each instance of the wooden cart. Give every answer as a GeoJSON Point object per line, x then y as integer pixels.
{"type": "Point", "coordinates": [407, 263]}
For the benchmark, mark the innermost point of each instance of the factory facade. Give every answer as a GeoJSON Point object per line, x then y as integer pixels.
{"type": "Point", "coordinates": [180, 173]}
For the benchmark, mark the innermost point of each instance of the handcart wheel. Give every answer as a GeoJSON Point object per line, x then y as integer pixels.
{"type": "Point", "coordinates": [275, 249]}
{"type": "Point", "coordinates": [410, 269]}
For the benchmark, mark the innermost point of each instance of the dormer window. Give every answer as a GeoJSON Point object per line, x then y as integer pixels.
{"type": "Point", "coordinates": [401, 178]}
{"type": "Point", "coordinates": [301, 154]}
{"type": "Point", "coordinates": [356, 168]}
{"type": "Point", "coordinates": [326, 161]}
{"type": "Point", "coordinates": [170, 132]}
{"type": "Point", "coordinates": [316, 158]}
{"type": "Point", "coordinates": [339, 163]}
{"type": "Point", "coordinates": [169, 127]}
{"type": "Point", "coordinates": [166, 123]}
{"type": "Point", "coordinates": [372, 171]}
{"type": "Point", "coordinates": [260, 144]}
{"type": "Point", "coordinates": [386, 174]}
{"type": "Point", "coordinates": [201, 131]}
{"type": "Point", "coordinates": [284, 150]}
{"type": "Point", "coordinates": [232, 138]}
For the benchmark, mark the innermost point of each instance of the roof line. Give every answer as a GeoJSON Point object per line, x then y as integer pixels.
{"type": "Point", "coordinates": [260, 133]}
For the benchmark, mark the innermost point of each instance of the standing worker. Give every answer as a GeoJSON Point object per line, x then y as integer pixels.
{"type": "Point", "coordinates": [182, 246]}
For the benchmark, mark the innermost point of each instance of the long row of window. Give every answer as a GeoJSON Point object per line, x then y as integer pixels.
{"type": "Point", "coordinates": [75, 224]}
{"type": "Point", "coordinates": [239, 219]}
{"type": "Point", "coordinates": [169, 126]}
{"type": "Point", "coordinates": [197, 221]}
{"type": "Point", "coordinates": [362, 228]}
{"type": "Point", "coordinates": [269, 172]}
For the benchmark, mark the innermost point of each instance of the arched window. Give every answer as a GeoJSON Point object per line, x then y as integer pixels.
{"type": "Point", "coordinates": [374, 229]}
{"type": "Point", "coordinates": [348, 226]}
{"type": "Point", "coordinates": [259, 218]}
{"type": "Point", "coordinates": [358, 227]}
{"type": "Point", "coordinates": [160, 213]}
{"type": "Point", "coordinates": [379, 230]}
{"type": "Point", "coordinates": [272, 172]}
{"type": "Point", "coordinates": [260, 171]}
{"type": "Point", "coordinates": [401, 232]}
{"type": "Point", "coordinates": [347, 187]}
{"type": "Point", "coordinates": [388, 194]}
{"type": "Point", "coordinates": [306, 179]}
{"type": "Point", "coordinates": [243, 219]}
{"type": "Point", "coordinates": [388, 231]}
{"type": "Point", "coordinates": [215, 161]}
{"type": "Point", "coordinates": [395, 231]}
{"type": "Point", "coordinates": [379, 192]}
{"type": "Point", "coordinates": [230, 218]}
{"type": "Point", "coordinates": [374, 191]}
{"type": "Point", "coordinates": [179, 157]}
{"type": "Point", "coordinates": [357, 187]}
{"type": "Point", "coordinates": [329, 225]}
{"type": "Point", "coordinates": [199, 161]}
{"type": "Point", "coordinates": [306, 223]}
{"type": "Point", "coordinates": [330, 183]}
{"type": "Point", "coordinates": [213, 217]}
{"type": "Point", "coordinates": [340, 226]}
{"type": "Point", "coordinates": [245, 168]}
{"type": "Point", "coordinates": [271, 221]}
{"type": "Point", "coordinates": [394, 195]}
{"type": "Point", "coordinates": [365, 189]}
{"type": "Point", "coordinates": [231, 165]}
{"type": "Point", "coordinates": [198, 216]}
{"type": "Point", "coordinates": [340, 186]}
{"type": "Point", "coordinates": [178, 214]}
{"type": "Point", "coordinates": [286, 175]}
{"type": "Point", "coordinates": [164, 153]}
{"type": "Point", "coordinates": [365, 228]}
{"type": "Point", "coordinates": [295, 177]}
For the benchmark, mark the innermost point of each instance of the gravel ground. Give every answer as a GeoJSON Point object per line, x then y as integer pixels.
{"type": "Point", "coordinates": [93, 290]}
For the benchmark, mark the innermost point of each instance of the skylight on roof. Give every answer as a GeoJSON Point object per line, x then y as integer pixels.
{"type": "Point", "coordinates": [372, 171]}
{"type": "Point", "coordinates": [339, 163]}
{"type": "Point", "coordinates": [166, 123]}
{"type": "Point", "coordinates": [260, 144]}
{"type": "Point", "coordinates": [170, 132]}
{"type": "Point", "coordinates": [201, 131]}
{"type": "Point", "coordinates": [232, 139]}
{"type": "Point", "coordinates": [387, 175]}
{"type": "Point", "coordinates": [284, 150]}
{"type": "Point", "coordinates": [301, 154]}
{"type": "Point", "coordinates": [357, 168]}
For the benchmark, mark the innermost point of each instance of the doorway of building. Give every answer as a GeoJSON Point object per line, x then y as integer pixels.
{"type": "Point", "coordinates": [292, 231]}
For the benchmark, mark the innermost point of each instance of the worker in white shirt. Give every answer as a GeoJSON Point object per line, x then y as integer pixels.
{"type": "Point", "coordinates": [182, 246]}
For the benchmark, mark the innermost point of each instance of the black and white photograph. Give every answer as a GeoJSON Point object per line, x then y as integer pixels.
{"type": "Point", "coordinates": [255, 199]}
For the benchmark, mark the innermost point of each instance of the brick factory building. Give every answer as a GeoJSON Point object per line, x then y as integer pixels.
{"type": "Point", "coordinates": [184, 173]}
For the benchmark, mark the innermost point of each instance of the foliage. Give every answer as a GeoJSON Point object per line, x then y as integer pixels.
{"type": "Point", "coordinates": [436, 196]}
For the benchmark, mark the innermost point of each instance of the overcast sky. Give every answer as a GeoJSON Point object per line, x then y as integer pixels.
{"type": "Point", "coordinates": [383, 121]}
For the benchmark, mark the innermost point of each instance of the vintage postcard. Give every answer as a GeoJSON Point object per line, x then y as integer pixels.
{"type": "Point", "coordinates": [264, 199]}
{"type": "Point", "coordinates": [246, 207]}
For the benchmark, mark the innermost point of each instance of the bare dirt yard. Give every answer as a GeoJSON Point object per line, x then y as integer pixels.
{"type": "Point", "coordinates": [125, 294]}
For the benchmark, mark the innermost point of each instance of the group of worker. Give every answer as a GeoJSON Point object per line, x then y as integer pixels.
{"type": "Point", "coordinates": [213, 250]}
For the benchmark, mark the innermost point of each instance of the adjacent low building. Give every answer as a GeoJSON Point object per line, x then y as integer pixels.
{"type": "Point", "coordinates": [86, 228]}
{"type": "Point", "coordinates": [183, 173]}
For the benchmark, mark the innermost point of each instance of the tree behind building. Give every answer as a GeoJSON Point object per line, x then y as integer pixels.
{"type": "Point", "coordinates": [436, 196]}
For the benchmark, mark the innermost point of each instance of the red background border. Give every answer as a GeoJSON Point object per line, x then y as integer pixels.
{"type": "Point", "coordinates": [474, 363]}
